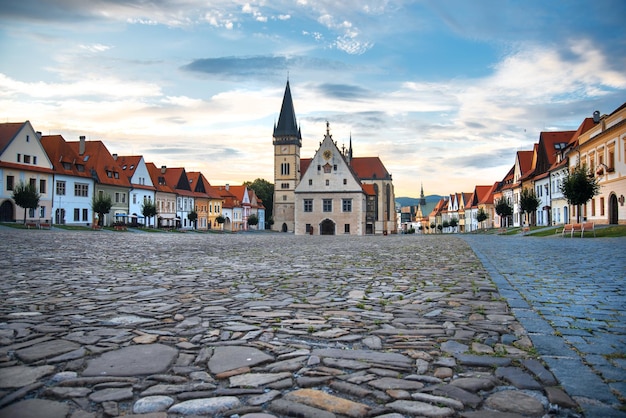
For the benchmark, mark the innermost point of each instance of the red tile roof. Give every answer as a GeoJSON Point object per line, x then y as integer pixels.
{"type": "Point", "coordinates": [7, 133]}
{"type": "Point", "coordinates": [100, 162]}
{"type": "Point", "coordinates": [365, 168]}
{"type": "Point", "coordinates": [63, 157]}
{"type": "Point", "coordinates": [158, 179]}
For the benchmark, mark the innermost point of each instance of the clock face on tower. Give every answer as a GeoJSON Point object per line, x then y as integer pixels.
{"type": "Point", "coordinates": [327, 154]}
{"type": "Point", "coordinates": [283, 149]}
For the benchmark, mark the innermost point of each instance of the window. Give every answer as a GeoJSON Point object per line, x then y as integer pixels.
{"type": "Point", "coordinates": [308, 228]}
{"type": "Point", "coordinates": [42, 186]}
{"type": "Point", "coordinates": [80, 168]}
{"type": "Point", "coordinates": [346, 228]}
{"type": "Point", "coordinates": [284, 169]}
{"type": "Point", "coordinates": [42, 212]}
{"type": "Point", "coordinates": [10, 181]}
{"type": "Point", "coordinates": [611, 158]}
{"type": "Point", "coordinates": [327, 182]}
{"type": "Point", "coordinates": [345, 181]}
{"type": "Point", "coordinates": [117, 197]}
{"type": "Point", "coordinates": [327, 168]}
{"type": "Point", "coordinates": [26, 159]}
{"type": "Point", "coordinates": [35, 159]}
{"type": "Point", "coordinates": [116, 175]}
{"type": "Point", "coordinates": [593, 207]}
{"type": "Point", "coordinates": [109, 174]}
{"type": "Point", "coordinates": [335, 167]}
{"type": "Point", "coordinates": [327, 205]}
{"type": "Point", "coordinates": [33, 183]}
{"type": "Point", "coordinates": [19, 158]}
{"type": "Point", "coordinates": [76, 214]}
{"type": "Point", "coordinates": [60, 188]}
{"type": "Point", "coordinates": [284, 197]}
{"type": "Point", "coordinates": [284, 185]}
{"type": "Point", "coordinates": [346, 205]}
{"type": "Point", "coordinates": [601, 206]}
{"type": "Point", "coordinates": [31, 213]}
{"type": "Point", "coordinates": [85, 215]}
{"type": "Point", "coordinates": [82, 190]}
{"type": "Point", "coordinates": [67, 166]}
{"type": "Point", "coordinates": [308, 205]}
{"type": "Point", "coordinates": [135, 198]}
{"type": "Point", "coordinates": [310, 182]}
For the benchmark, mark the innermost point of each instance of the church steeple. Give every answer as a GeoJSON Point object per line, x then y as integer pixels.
{"type": "Point", "coordinates": [287, 130]}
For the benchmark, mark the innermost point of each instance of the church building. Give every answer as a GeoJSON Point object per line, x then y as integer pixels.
{"type": "Point", "coordinates": [333, 192]}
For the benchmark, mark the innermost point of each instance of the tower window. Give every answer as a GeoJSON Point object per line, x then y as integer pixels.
{"type": "Point", "coordinates": [284, 169]}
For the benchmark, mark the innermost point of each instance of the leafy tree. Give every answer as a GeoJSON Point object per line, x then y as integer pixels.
{"type": "Point", "coordinates": [26, 196]}
{"type": "Point", "coordinates": [453, 222]}
{"type": "Point", "coordinates": [579, 186]}
{"type": "Point", "coordinates": [445, 224]}
{"type": "Point", "coordinates": [253, 220]}
{"type": "Point", "coordinates": [529, 202]}
{"type": "Point", "coordinates": [193, 217]}
{"type": "Point", "coordinates": [481, 215]}
{"type": "Point", "coordinates": [503, 209]}
{"type": "Point", "coordinates": [220, 220]}
{"type": "Point", "coordinates": [149, 210]}
{"type": "Point", "coordinates": [439, 227]}
{"type": "Point", "coordinates": [265, 191]}
{"type": "Point", "coordinates": [101, 205]}
{"type": "Point", "coordinates": [432, 226]}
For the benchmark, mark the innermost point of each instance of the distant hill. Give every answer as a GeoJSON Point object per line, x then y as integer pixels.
{"type": "Point", "coordinates": [413, 201]}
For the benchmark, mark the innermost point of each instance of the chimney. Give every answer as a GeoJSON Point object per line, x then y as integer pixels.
{"type": "Point", "coordinates": [596, 116]}
{"type": "Point", "coordinates": [115, 157]}
{"type": "Point", "coordinates": [81, 145]}
{"type": "Point", "coordinates": [39, 134]}
{"type": "Point", "coordinates": [227, 187]}
{"type": "Point", "coordinates": [163, 168]}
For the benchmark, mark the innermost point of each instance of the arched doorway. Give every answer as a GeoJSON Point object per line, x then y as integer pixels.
{"type": "Point", "coordinates": [284, 227]}
{"type": "Point", "coordinates": [327, 227]}
{"type": "Point", "coordinates": [59, 216]}
{"type": "Point", "coordinates": [7, 211]}
{"type": "Point", "coordinates": [613, 210]}
{"type": "Point", "coordinates": [565, 215]}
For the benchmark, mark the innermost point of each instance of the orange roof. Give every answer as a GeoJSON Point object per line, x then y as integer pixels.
{"type": "Point", "coordinates": [63, 158]}
{"type": "Point", "coordinates": [200, 184]}
{"type": "Point", "coordinates": [99, 161]}
{"type": "Point", "coordinates": [7, 133]}
{"type": "Point", "coordinates": [369, 189]}
{"type": "Point", "coordinates": [158, 179]}
{"type": "Point", "coordinates": [482, 194]}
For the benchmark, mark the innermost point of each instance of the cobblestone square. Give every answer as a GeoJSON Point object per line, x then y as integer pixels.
{"type": "Point", "coordinates": [97, 324]}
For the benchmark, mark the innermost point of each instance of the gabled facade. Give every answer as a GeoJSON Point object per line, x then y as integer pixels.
{"type": "Point", "coordinates": [24, 160]}
{"type": "Point", "coordinates": [142, 189]}
{"type": "Point", "coordinates": [176, 179]}
{"type": "Point", "coordinates": [73, 187]}
{"type": "Point", "coordinates": [208, 202]}
{"type": "Point", "coordinates": [231, 209]}
{"type": "Point", "coordinates": [603, 149]}
{"type": "Point", "coordinates": [521, 168]}
{"type": "Point", "coordinates": [289, 170]}
{"type": "Point", "coordinates": [330, 199]}
{"type": "Point", "coordinates": [165, 197]}
{"type": "Point", "coordinates": [108, 178]}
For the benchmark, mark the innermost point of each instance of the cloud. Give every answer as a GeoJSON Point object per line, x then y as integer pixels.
{"type": "Point", "coordinates": [344, 91]}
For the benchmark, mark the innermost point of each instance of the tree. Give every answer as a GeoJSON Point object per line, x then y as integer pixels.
{"type": "Point", "coordinates": [454, 222]}
{"type": "Point", "coordinates": [264, 191]}
{"type": "Point", "coordinates": [439, 227]}
{"type": "Point", "coordinates": [220, 220]}
{"type": "Point", "coordinates": [193, 217]}
{"type": "Point", "coordinates": [26, 196]}
{"type": "Point", "coordinates": [503, 209]}
{"type": "Point", "coordinates": [253, 220]}
{"type": "Point", "coordinates": [101, 205]}
{"type": "Point", "coordinates": [579, 186]}
{"type": "Point", "coordinates": [529, 202]}
{"type": "Point", "coordinates": [445, 224]}
{"type": "Point", "coordinates": [481, 215]}
{"type": "Point", "coordinates": [148, 210]}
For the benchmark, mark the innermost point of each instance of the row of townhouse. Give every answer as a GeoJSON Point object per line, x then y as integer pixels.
{"type": "Point", "coordinates": [69, 174]}
{"type": "Point", "coordinates": [599, 143]}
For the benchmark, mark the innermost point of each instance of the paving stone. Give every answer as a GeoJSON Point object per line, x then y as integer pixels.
{"type": "Point", "coordinates": [18, 376]}
{"type": "Point", "coordinates": [111, 394]}
{"type": "Point", "coordinates": [206, 406]}
{"type": "Point", "coordinates": [322, 400]}
{"type": "Point", "coordinates": [257, 379]}
{"type": "Point", "coordinates": [152, 404]}
{"type": "Point", "coordinates": [230, 358]}
{"type": "Point", "coordinates": [36, 408]}
{"type": "Point", "coordinates": [134, 360]}
{"type": "Point", "coordinates": [45, 349]}
{"type": "Point", "coordinates": [473, 384]}
{"type": "Point", "coordinates": [420, 409]}
{"type": "Point", "coordinates": [295, 409]}
{"type": "Point", "coordinates": [518, 378]}
{"type": "Point", "coordinates": [391, 383]}
{"type": "Point", "coordinates": [515, 401]}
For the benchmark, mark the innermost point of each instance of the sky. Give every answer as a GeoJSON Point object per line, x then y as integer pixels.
{"type": "Point", "coordinates": [445, 92]}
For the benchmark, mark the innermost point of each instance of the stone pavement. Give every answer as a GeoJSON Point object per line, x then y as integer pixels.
{"type": "Point", "coordinates": [569, 295]}
{"type": "Point", "coordinates": [99, 324]}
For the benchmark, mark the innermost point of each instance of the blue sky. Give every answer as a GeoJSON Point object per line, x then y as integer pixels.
{"type": "Point", "coordinates": [444, 92]}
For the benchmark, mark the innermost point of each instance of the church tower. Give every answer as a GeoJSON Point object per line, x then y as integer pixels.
{"type": "Point", "coordinates": [287, 144]}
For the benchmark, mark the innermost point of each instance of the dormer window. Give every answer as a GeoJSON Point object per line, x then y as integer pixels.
{"type": "Point", "coordinates": [116, 175]}
{"type": "Point", "coordinates": [109, 174]}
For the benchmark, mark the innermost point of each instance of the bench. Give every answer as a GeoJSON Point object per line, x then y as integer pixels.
{"type": "Point", "coordinates": [582, 227]}
{"type": "Point", "coordinates": [525, 230]}
{"type": "Point", "coordinates": [44, 225]}
{"type": "Point", "coordinates": [30, 225]}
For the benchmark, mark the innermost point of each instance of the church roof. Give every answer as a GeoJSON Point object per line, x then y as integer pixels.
{"type": "Point", "coordinates": [287, 124]}
{"type": "Point", "coordinates": [365, 168]}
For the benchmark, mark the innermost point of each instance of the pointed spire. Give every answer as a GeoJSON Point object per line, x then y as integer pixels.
{"type": "Point", "coordinates": [287, 125]}
{"type": "Point", "coordinates": [350, 148]}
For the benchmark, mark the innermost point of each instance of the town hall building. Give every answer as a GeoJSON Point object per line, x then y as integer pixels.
{"type": "Point", "coordinates": [332, 193]}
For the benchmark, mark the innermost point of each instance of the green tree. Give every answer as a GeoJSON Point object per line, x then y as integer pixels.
{"type": "Point", "coordinates": [579, 186]}
{"type": "Point", "coordinates": [26, 196]}
{"type": "Point", "coordinates": [253, 220]}
{"type": "Point", "coordinates": [220, 220]}
{"type": "Point", "coordinates": [148, 210]}
{"type": "Point", "coordinates": [264, 191]}
{"type": "Point", "coordinates": [439, 227]}
{"type": "Point", "coordinates": [503, 209]}
{"type": "Point", "coordinates": [453, 222]}
{"type": "Point", "coordinates": [101, 205]}
{"type": "Point", "coordinates": [481, 215]}
{"type": "Point", "coordinates": [193, 217]}
{"type": "Point", "coordinates": [529, 202]}
{"type": "Point", "coordinates": [445, 224]}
